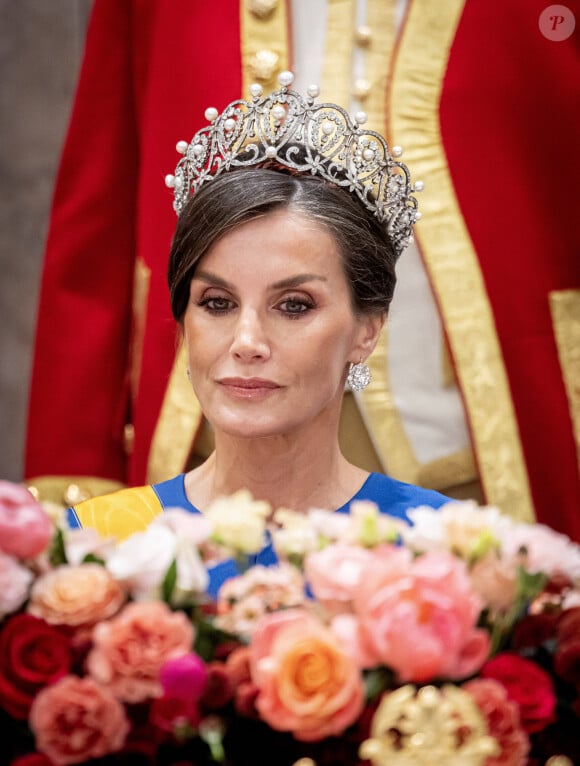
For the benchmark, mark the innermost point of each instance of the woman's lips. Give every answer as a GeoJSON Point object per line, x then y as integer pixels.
{"type": "Point", "coordinates": [248, 388]}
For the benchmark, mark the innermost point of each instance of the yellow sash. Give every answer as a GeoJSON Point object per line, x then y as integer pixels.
{"type": "Point", "coordinates": [120, 514]}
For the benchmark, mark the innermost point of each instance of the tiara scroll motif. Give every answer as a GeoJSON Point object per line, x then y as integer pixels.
{"type": "Point", "coordinates": [308, 137]}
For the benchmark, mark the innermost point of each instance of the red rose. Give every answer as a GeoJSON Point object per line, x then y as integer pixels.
{"type": "Point", "coordinates": [528, 685]}
{"type": "Point", "coordinates": [33, 654]}
{"type": "Point", "coordinates": [218, 690]}
{"type": "Point", "coordinates": [569, 624]}
{"type": "Point", "coordinates": [567, 661]}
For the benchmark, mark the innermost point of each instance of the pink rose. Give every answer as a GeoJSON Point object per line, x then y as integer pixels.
{"type": "Point", "coordinates": [76, 719]}
{"type": "Point", "coordinates": [528, 685]}
{"type": "Point", "coordinates": [503, 722]}
{"type": "Point", "coordinates": [183, 680]}
{"type": "Point", "coordinates": [25, 527]}
{"type": "Point", "coordinates": [15, 582]}
{"type": "Point", "coordinates": [334, 574]}
{"type": "Point", "coordinates": [306, 683]}
{"type": "Point", "coordinates": [404, 604]}
{"type": "Point", "coordinates": [130, 649]}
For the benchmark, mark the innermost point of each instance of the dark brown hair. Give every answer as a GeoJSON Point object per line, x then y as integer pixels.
{"type": "Point", "coordinates": [239, 196]}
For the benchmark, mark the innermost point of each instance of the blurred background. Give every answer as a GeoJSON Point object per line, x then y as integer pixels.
{"type": "Point", "coordinates": [41, 45]}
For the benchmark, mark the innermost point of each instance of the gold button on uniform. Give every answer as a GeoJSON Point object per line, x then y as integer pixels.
{"type": "Point", "coordinates": [262, 8]}
{"type": "Point", "coordinates": [363, 36]}
{"type": "Point", "coordinates": [264, 65]}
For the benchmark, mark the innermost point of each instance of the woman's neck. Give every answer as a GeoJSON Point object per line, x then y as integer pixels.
{"type": "Point", "coordinates": [297, 472]}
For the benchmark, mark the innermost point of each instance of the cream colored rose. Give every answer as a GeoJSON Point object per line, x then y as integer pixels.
{"type": "Point", "coordinates": [77, 596]}
{"type": "Point", "coordinates": [239, 522]}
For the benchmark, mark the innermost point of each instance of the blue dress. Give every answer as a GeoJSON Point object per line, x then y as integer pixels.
{"type": "Point", "coordinates": [393, 498]}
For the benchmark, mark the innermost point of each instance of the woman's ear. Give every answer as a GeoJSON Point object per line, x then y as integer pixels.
{"type": "Point", "coordinates": [370, 326]}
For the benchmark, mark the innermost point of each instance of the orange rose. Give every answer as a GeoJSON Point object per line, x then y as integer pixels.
{"type": "Point", "coordinates": [76, 596]}
{"type": "Point", "coordinates": [129, 650]}
{"type": "Point", "coordinates": [75, 720]}
{"type": "Point", "coordinates": [306, 684]}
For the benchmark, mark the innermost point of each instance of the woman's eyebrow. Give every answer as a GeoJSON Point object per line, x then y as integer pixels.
{"type": "Point", "coordinates": [299, 279]}
{"type": "Point", "coordinates": [289, 282]}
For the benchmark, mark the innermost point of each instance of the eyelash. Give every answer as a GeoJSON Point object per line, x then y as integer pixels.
{"type": "Point", "coordinates": [206, 303]}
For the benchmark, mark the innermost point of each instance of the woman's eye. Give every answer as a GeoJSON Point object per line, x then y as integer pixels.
{"type": "Point", "coordinates": [295, 306]}
{"type": "Point", "coordinates": [217, 305]}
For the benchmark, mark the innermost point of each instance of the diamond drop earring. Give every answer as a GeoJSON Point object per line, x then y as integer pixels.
{"type": "Point", "coordinates": [359, 376]}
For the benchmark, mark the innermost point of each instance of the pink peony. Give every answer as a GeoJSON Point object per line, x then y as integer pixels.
{"type": "Point", "coordinates": [25, 527]}
{"type": "Point", "coordinates": [130, 650]}
{"type": "Point", "coordinates": [334, 574]}
{"type": "Point", "coordinates": [418, 616]}
{"type": "Point", "coordinates": [15, 582]}
{"type": "Point", "coordinates": [76, 719]}
{"type": "Point", "coordinates": [503, 721]}
{"type": "Point", "coordinates": [306, 683]}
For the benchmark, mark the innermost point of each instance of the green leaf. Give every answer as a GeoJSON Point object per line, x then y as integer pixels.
{"type": "Point", "coordinates": [57, 551]}
{"type": "Point", "coordinates": [169, 582]}
{"type": "Point", "coordinates": [377, 681]}
{"type": "Point", "coordinates": [90, 558]}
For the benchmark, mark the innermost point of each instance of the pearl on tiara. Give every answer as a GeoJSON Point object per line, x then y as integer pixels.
{"type": "Point", "coordinates": [307, 137]}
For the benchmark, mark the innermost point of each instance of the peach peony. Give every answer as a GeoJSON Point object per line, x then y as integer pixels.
{"type": "Point", "coordinates": [77, 596]}
{"type": "Point", "coordinates": [427, 602]}
{"type": "Point", "coordinates": [306, 684]}
{"type": "Point", "coordinates": [76, 719]}
{"type": "Point", "coordinates": [130, 650]}
{"type": "Point", "coordinates": [495, 581]}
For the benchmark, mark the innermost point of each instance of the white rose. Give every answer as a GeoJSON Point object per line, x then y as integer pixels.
{"type": "Point", "coordinates": [141, 561]}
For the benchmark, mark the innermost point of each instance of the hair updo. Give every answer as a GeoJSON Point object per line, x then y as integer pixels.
{"type": "Point", "coordinates": [239, 196]}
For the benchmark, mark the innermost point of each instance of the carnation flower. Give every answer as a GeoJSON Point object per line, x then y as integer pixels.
{"type": "Point", "coordinates": [130, 649]}
{"type": "Point", "coordinates": [542, 549]}
{"type": "Point", "coordinates": [77, 719]}
{"type": "Point", "coordinates": [503, 720]}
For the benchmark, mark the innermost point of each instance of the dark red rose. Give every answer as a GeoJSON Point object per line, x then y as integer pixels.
{"type": "Point", "coordinates": [528, 685]}
{"type": "Point", "coordinates": [567, 661]}
{"type": "Point", "coordinates": [569, 624]}
{"type": "Point", "coordinates": [245, 699]}
{"type": "Point", "coordinates": [219, 690]}
{"type": "Point", "coordinates": [534, 630]}
{"type": "Point", "coordinates": [32, 759]}
{"type": "Point", "coordinates": [33, 655]}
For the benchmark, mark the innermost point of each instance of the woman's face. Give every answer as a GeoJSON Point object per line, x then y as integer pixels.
{"type": "Point", "coordinates": [270, 329]}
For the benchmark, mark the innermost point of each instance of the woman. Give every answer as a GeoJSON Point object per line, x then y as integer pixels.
{"type": "Point", "coordinates": [281, 273]}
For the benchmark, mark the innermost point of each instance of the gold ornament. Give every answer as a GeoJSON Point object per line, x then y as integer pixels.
{"type": "Point", "coordinates": [428, 727]}
{"type": "Point", "coordinates": [559, 760]}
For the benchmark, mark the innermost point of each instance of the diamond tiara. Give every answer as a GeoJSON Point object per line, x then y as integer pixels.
{"type": "Point", "coordinates": [305, 136]}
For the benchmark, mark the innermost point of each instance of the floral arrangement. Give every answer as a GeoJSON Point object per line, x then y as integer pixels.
{"type": "Point", "coordinates": [451, 640]}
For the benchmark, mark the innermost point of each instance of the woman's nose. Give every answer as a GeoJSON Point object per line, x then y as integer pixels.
{"type": "Point", "coordinates": [250, 340]}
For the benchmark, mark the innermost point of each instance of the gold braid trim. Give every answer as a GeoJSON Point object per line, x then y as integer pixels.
{"type": "Point", "coordinates": [68, 490]}
{"type": "Point", "coordinates": [565, 309]}
{"type": "Point", "coordinates": [450, 256]}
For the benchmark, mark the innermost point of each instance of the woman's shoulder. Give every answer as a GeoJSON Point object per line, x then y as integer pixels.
{"type": "Point", "coordinates": [395, 497]}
